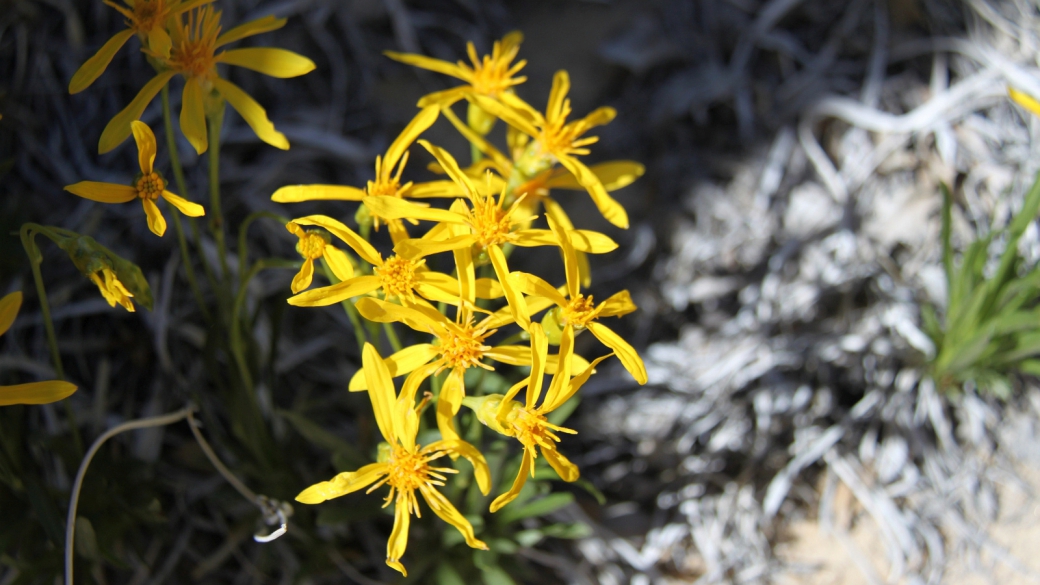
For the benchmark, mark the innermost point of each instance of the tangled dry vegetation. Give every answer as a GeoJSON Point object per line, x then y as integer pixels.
{"type": "Point", "coordinates": [783, 240]}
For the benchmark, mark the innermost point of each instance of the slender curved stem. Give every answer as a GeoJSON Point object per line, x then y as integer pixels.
{"type": "Point", "coordinates": [216, 221]}
{"type": "Point", "coordinates": [349, 309]}
{"type": "Point", "coordinates": [391, 334]}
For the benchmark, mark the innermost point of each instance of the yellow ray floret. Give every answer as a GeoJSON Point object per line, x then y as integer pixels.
{"type": "Point", "coordinates": [145, 18]}
{"type": "Point", "coordinates": [575, 311]}
{"type": "Point", "coordinates": [148, 186]}
{"type": "Point", "coordinates": [493, 75]}
{"type": "Point", "coordinates": [527, 422]}
{"type": "Point", "coordinates": [33, 392]}
{"type": "Point", "coordinates": [196, 37]}
{"type": "Point", "coordinates": [407, 467]}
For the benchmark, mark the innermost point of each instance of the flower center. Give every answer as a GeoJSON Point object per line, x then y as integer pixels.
{"type": "Point", "coordinates": [407, 469]}
{"type": "Point", "coordinates": [531, 428]}
{"type": "Point", "coordinates": [397, 276]}
{"type": "Point", "coordinates": [491, 224]}
{"type": "Point", "coordinates": [464, 346]}
{"type": "Point", "coordinates": [390, 187]}
{"type": "Point", "coordinates": [579, 311]}
{"type": "Point", "coordinates": [311, 245]}
{"type": "Point", "coordinates": [150, 186]}
{"type": "Point", "coordinates": [147, 14]}
{"type": "Point", "coordinates": [193, 50]}
{"type": "Point", "coordinates": [492, 74]}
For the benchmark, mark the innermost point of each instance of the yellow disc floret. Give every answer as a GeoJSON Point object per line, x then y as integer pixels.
{"type": "Point", "coordinates": [409, 470]}
{"type": "Point", "coordinates": [311, 245]}
{"type": "Point", "coordinates": [150, 186]}
{"type": "Point", "coordinates": [195, 45]}
{"type": "Point", "coordinates": [579, 311]}
{"type": "Point", "coordinates": [397, 276]}
{"type": "Point", "coordinates": [494, 73]}
{"type": "Point", "coordinates": [463, 346]}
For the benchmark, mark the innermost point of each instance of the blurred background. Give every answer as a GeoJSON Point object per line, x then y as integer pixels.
{"type": "Point", "coordinates": [782, 242]}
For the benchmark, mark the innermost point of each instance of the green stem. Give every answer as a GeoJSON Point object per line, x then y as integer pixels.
{"type": "Point", "coordinates": [237, 345]}
{"type": "Point", "coordinates": [216, 221]}
{"type": "Point", "coordinates": [395, 342]}
{"type": "Point", "coordinates": [178, 176]}
{"type": "Point", "coordinates": [28, 234]}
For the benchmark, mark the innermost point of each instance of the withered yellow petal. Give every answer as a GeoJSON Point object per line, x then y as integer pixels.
{"type": "Point", "coordinates": [183, 205]}
{"type": "Point", "coordinates": [193, 116]}
{"type": "Point", "coordinates": [563, 466]}
{"type": "Point", "coordinates": [103, 192]}
{"type": "Point", "coordinates": [303, 278]}
{"type": "Point", "coordinates": [526, 466]}
{"type": "Point", "coordinates": [332, 294]}
{"type": "Point", "coordinates": [446, 511]}
{"type": "Point", "coordinates": [269, 61]}
{"type": "Point", "coordinates": [9, 306]}
{"type": "Point", "coordinates": [626, 353]}
{"type": "Point", "coordinates": [92, 68]}
{"type": "Point", "coordinates": [398, 540]}
{"type": "Point", "coordinates": [118, 128]}
{"type": "Point", "coordinates": [297, 193]}
{"type": "Point", "coordinates": [145, 140]}
{"type": "Point", "coordinates": [156, 221]}
{"type": "Point", "coordinates": [474, 456]}
{"type": "Point", "coordinates": [342, 484]}
{"type": "Point", "coordinates": [252, 112]}
{"type": "Point", "coordinates": [36, 392]}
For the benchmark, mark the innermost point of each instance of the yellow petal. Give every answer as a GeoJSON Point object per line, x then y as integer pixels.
{"type": "Point", "coordinates": [1024, 100]}
{"type": "Point", "coordinates": [467, 275]}
{"type": "Point", "coordinates": [561, 379]}
{"type": "Point", "coordinates": [524, 109]}
{"type": "Point", "coordinates": [489, 288]}
{"type": "Point", "coordinates": [255, 27]}
{"type": "Point", "coordinates": [508, 113]}
{"type": "Point", "coordinates": [349, 237]}
{"type": "Point", "coordinates": [598, 117]}
{"type": "Point", "coordinates": [446, 511]}
{"type": "Point", "coordinates": [341, 291]}
{"type": "Point", "coordinates": [398, 541]}
{"type": "Point", "coordinates": [450, 166]}
{"type": "Point", "coordinates": [303, 278]}
{"type": "Point", "coordinates": [297, 193]}
{"type": "Point", "coordinates": [518, 484]}
{"type": "Point", "coordinates": [399, 364]}
{"type": "Point", "coordinates": [156, 221]}
{"type": "Point", "coordinates": [389, 207]}
{"type": "Point", "coordinates": [380, 391]}
{"type": "Point", "coordinates": [553, 402]}
{"type": "Point", "coordinates": [423, 120]}
{"type": "Point", "coordinates": [514, 297]}
{"type": "Point", "coordinates": [583, 240]}
{"type": "Point", "coordinates": [118, 128]}
{"type": "Point", "coordinates": [9, 306]}
{"type": "Point", "coordinates": [95, 66]}
{"type": "Point", "coordinates": [269, 61]}
{"type": "Point", "coordinates": [512, 39]}
{"type": "Point", "coordinates": [342, 484]}
{"type": "Point", "coordinates": [415, 379]}
{"type": "Point", "coordinates": [36, 392]}
{"type": "Point", "coordinates": [417, 248]}
{"type": "Point", "coordinates": [625, 352]}
{"type": "Point", "coordinates": [514, 355]}
{"type": "Point", "coordinates": [414, 317]}
{"type": "Point", "coordinates": [434, 189]}
{"type": "Point", "coordinates": [193, 116]}
{"type": "Point", "coordinates": [501, 161]}
{"type": "Point", "coordinates": [570, 258]}
{"type": "Point", "coordinates": [480, 466]}
{"type": "Point", "coordinates": [444, 99]}
{"type": "Point", "coordinates": [535, 286]}
{"type": "Point", "coordinates": [617, 305]}
{"type": "Point", "coordinates": [614, 175]}
{"type": "Point", "coordinates": [560, 86]}
{"type": "Point", "coordinates": [429, 64]}
{"type": "Point", "coordinates": [252, 113]}
{"type": "Point", "coordinates": [554, 210]}
{"type": "Point", "coordinates": [339, 262]}
{"type": "Point", "coordinates": [103, 192]}
{"type": "Point", "coordinates": [539, 351]}
{"type": "Point", "coordinates": [183, 205]}
{"type": "Point", "coordinates": [563, 466]}
{"type": "Point", "coordinates": [612, 210]}
{"type": "Point", "coordinates": [449, 402]}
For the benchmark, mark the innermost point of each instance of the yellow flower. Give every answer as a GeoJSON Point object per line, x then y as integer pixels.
{"type": "Point", "coordinates": [406, 468]}
{"type": "Point", "coordinates": [486, 224]}
{"type": "Point", "coordinates": [33, 392]}
{"type": "Point", "coordinates": [556, 140]}
{"type": "Point", "coordinates": [493, 76]}
{"type": "Point", "coordinates": [312, 246]}
{"type": "Point", "coordinates": [148, 186]}
{"type": "Point", "coordinates": [112, 289]}
{"type": "Point", "coordinates": [387, 182]}
{"type": "Point", "coordinates": [145, 18]}
{"type": "Point", "coordinates": [399, 277]}
{"type": "Point", "coordinates": [194, 56]}
{"type": "Point", "coordinates": [576, 311]}
{"type": "Point", "coordinates": [527, 422]}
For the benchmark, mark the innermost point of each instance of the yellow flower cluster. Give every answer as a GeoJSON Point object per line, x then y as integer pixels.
{"type": "Point", "coordinates": [492, 209]}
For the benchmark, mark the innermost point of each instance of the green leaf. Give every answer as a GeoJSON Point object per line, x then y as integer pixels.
{"type": "Point", "coordinates": [587, 486]}
{"type": "Point", "coordinates": [495, 575]}
{"type": "Point", "coordinates": [568, 530]}
{"type": "Point", "coordinates": [947, 250]}
{"type": "Point", "coordinates": [445, 574]}
{"type": "Point", "coordinates": [539, 507]}
{"type": "Point", "coordinates": [86, 539]}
